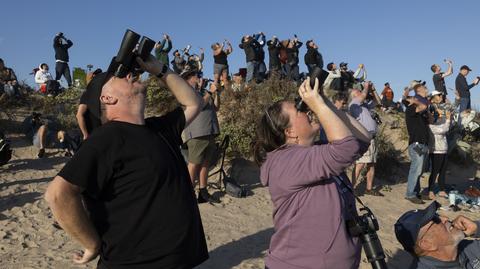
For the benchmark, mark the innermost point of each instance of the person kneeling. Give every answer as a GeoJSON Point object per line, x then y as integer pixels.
{"type": "Point", "coordinates": [43, 135]}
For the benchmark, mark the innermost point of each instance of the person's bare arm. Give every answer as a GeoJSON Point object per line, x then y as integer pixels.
{"type": "Point", "coordinates": [82, 108]}
{"type": "Point", "coordinates": [185, 94]}
{"type": "Point", "coordinates": [449, 70]}
{"type": "Point", "coordinates": [65, 201]}
{"type": "Point", "coordinates": [334, 127]}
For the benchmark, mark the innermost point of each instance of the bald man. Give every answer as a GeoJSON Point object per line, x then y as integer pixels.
{"type": "Point", "coordinates": [133, 179]}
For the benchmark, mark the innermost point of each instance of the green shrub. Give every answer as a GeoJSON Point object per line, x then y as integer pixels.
{"type": "Point", "coordinates": [240, 112]}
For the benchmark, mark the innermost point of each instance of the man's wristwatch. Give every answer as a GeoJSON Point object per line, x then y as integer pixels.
{"type": "Point", "coordinates": [162, 72]}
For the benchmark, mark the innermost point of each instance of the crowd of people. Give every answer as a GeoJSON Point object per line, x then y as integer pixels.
{"type": "Point", "coordinates": [129, 176]}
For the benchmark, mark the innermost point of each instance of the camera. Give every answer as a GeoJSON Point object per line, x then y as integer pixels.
{"type": "Point", "coordinates": [365, 227]}
{"type": "Point", "coordinates": [125, 61]}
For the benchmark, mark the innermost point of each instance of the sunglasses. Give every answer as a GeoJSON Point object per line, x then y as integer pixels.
{"type": "Point", "coordinates": [435, 220]}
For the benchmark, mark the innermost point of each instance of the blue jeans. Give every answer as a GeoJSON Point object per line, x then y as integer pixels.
{"type": "Point", "coordinates": [418, 155]}
{"type": "Point", "coordinates": [464, 104]}
{"type": "Point", "coordinates": [251, 70]}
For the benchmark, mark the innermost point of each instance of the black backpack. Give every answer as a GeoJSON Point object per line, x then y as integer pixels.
{"type": "Point", "coordinates": [5, 151]}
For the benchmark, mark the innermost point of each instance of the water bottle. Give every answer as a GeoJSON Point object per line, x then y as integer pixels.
{"type": "Point", "coordinates": [452, 197]}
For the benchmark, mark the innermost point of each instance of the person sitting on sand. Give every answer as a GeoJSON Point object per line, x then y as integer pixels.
{"type": "Point", "coordinates": [41, 132]}
{"type": "Point", "coordinates": [438, 242]}
{"type": "Point", "coordinates": [311, 204]}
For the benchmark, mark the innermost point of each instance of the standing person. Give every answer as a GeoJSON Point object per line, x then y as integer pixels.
{"type": "Point", "coordinates": [291, 67]}
{"type": "Point", "coordinates": [416, 117]}
{"type": "Point", "coordinates": [220, 62]}
{"type": "Point", "coordinates": [387, 96]}
{"type": "Point", "coordinates": [262, 68]}
{"type": "Point", "coordinates": [333, 82]}
{"type": "Point", "coordinates": [438, 146]}
{"type": "Point", "coordinates": [133, 179]}
{"type": "Point", "coordinates": [439, 77]}
{"type": "Point", "coordinates": [313, 58]}
{"type": "Point", "coordinates": [310, 197]}
{"type": "Point", "coordinates": [162, 49]}
{"type": "Point", "coordinates": [274, 65]}
{"type": "Point", "coordinates": [178, 62]}
{"type": "Point", "coordinates": [61, 46]}
{"type": "Point", "coordinates": [86, 120]}
{"type": "Point", "coordinates": [250, 45]}
{"type": "Point", "coordinates": [200, 136]}
{"type": "Point", "coordinates": [463, 88]}
{"type": "Point", "coordinates": [360, 110]}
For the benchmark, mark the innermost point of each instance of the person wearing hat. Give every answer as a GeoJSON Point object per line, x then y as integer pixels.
{"type": "Point", "coordinates": [133, 180]}
{"type": "Point", "coordinates": [438, 242]}
{"type": "Point", "coordinates": [359, 107]}
{"type": "Point", "coordinates": [463, 88]}
{"type": "Point", "coordinates": [200, 136]}
{"type": "Point", "coordinates": [417, 119]}
{"type": "Point", "coordinates": [249, 46]}
{"type": "Point", "coordinates": [439, 77]}
{"type": "Point", "coordinates": [162, 48]}
{"type": "Point", "coordinates": [438, 146]}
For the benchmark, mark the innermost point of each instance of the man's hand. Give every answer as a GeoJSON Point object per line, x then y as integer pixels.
{"type": "Point", "coordinates": [152, 65]}
{"type": "Point", "coordinates": [85, 256]}
{"type": "Point", "coordinates": [465, 224]}
{"type": "Point", "coordinates": [476, 80]}
{"type": "Point", "coordinates": [361, 66]}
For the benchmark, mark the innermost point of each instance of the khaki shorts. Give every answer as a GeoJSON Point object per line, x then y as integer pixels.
{"type": "Point", "coordinates": [371, 155]}
{"type": "Point", "coordinates": [201, 149]}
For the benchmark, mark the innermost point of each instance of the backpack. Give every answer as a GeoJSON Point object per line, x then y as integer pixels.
{"type": "Point", "coordinates": [234, 189]}
{"type": "Point", "coordinates": [5, 151]}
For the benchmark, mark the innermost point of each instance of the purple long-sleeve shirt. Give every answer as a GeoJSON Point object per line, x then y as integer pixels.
{"type": "Point", "coordinates": [309, 215]}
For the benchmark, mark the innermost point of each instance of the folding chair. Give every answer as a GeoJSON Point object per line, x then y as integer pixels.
{"type": "Point", "coordinates": [220, 155]}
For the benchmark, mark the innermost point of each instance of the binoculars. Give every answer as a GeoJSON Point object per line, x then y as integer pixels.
{"type": "Point", "coordinates": [125, 61]}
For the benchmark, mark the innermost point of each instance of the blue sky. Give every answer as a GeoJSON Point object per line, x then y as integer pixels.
{"type": "Point", "coordinates": [396, 40]}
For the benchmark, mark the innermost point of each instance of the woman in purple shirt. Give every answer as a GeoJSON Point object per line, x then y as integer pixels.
{"type": "Point", "coordinates": [310, 207]}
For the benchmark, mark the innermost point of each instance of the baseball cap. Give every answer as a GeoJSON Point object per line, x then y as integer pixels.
{"type": "Point", "coordinates": [465, 67]}
{"type": "Point", "coordinates": [409, 224]}
{"type": "Point", "coordinates": [93, 92]}
{"type": "Point", "coordinates": [435, 92]}
{"type": "Point", "coordinates": [343, 64]}
{"type": "Point", "coordinates": [414, 83]}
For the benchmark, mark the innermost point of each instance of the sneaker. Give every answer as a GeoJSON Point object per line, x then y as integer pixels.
{"type": "Point", "coordinates": [374, 193]}
{"type": "Point", "coordinates": [204, 196]}
{"type": "Point", "coordinates": [424, 196]}
{"type": "Point", "coordinates": [41, 153]}
{"type": "Point", "coordinates": [415, 200]}
{"type": "Point", "coordinates": [455, 208]}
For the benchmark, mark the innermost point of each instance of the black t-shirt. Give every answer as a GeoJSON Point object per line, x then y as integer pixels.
{"type": "Point", "coordinates": [91, 121]}
{"type": "Point", "coordinates": [439, 83]}
{"type": "Point", "coordinates": [139, 194]}
{"type": "Point", "coordinates": [417, 125]}
{"type": "Point", "coordinates": [221, 58]}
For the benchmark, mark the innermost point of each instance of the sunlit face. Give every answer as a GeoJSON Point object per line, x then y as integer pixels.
{"type": "Point", "coordinates": [128, 87]}
{"type": "Point", "coordinates": [423, 91]}
{"type": "Point", "coordinates": [440, 232]}
{"type": "Point", "coordinates": [341, 104]}
{"type": "Point", "coordinates": [464, 72]}
{"type": "Point", "coordinates": [436, 98]}
{"type": "Point", "coordinates": [301, 125]}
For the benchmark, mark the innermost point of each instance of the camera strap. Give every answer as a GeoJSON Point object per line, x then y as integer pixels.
{"type": "Point", "coordinates": [340, 181]}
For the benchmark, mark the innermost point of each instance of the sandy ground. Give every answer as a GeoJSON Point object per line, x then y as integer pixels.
{"type": "Point", "coordinates": [237, 230]}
